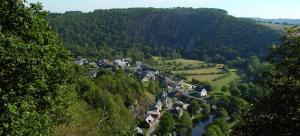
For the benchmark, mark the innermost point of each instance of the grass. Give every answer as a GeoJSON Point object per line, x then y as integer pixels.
{"type": "Point", "coordinates": [207, 78]}
{"type": "Point", "coordinates": [186, 62]}
{"type": "Point", "coordinates": [218, 84]}
{"type": "Point", "coordinates": [199, 71]}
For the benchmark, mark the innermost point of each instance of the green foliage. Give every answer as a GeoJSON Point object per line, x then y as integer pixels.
{"type": "Point", "coordinates": [219, 127]}
{"type": "Point", "coordinates": [185, 119]}
{"type": "Point", "coordinates": [205, 108]}
{"type": "Point", "coordinates": [166, 124]}
{"type": "Point", "coordinates": [210, 132]}
{"type": "Point", "coordinates": [230, 107]}
{"type": "Point", "coordinates": [255, 68]}
{"type": "Point", "coordinates": [194, 108]}
{"type": "Point", "coordinates": [163, 32]}
{"type": "Point", "coordinates": [224, 89]}
{"type": "Point", "coordinates": [247, 91]}
{"type": "Point", "coordinates": [153, 87]}
{"type": "Point", "coordinates": [185, 123]}
{"type": "Point", "coordinates": [111, 94]}
{"type": "Point", "coordinates": [34, 70]}
{"type": "Point", "coordinates": [277, 113]}
{"type": "Point", "coordinates": [222, 113]}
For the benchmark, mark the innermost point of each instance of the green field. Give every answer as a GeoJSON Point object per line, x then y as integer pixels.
{"type": "Point", "coordinates": [199, 70]}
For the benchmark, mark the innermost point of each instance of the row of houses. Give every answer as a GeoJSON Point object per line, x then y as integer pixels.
{"type": "Point", "coordinates": [123, 63]}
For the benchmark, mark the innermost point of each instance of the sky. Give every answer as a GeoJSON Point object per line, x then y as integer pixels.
{"type": "Point", "coordinates": [238, 8]}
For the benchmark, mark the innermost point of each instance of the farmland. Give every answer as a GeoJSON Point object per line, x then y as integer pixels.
{"type": "Point", "coordinates": [217, 75]}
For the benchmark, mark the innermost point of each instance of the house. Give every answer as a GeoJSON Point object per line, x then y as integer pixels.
{"type": "Point", "coordinates": [80, 61]}
{"type": "Point", "coordinates": [121, 63]}
{"type": "Point", "coordinates": [158, 105]}
{"type": "Point", "coordinates": [164, 95]}
{"type": "Point", "coordinates": [203, 93]}
{"type": "Point", "coordinates": [181, 105]}
{"type": "Point", "coordinates": [177, 87]}
{"type": "Point", "coordinates": [187, 86]}
{"type": "Point", "coordinates": [138, 64]}
{"type": "Point", "coordinates": [175, 94]}
{"type": "Point", "coordinates": [148, 75]}
{"type": "Point", "coordinates": [104, 63]}
{"type": "Point", "coordinates": [149, 120]}
{"type": "Point", "coordinates": [166, 82]}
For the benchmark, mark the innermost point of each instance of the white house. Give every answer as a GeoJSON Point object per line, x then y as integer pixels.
{"type": "Point", "coordinates": [203, 93]}
{"type": "Point", "coordinates": [80, 61]}
{"type": "Point", "coordinates": [120, 63]}
{"type": "Point", "coordinates": [148, 75]}
{"type": "Point", "coordinates": [150, 120]}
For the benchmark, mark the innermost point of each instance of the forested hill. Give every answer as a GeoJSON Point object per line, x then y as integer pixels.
{"type": "Point", "coordinates": [207, 34]}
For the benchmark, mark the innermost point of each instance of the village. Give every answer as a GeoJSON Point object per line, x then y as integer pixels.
{"type": "Point", "coordinates": [175, 98]}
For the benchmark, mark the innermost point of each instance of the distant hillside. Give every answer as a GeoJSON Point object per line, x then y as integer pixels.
{"type": "Point", "coordinates": [280, 27]}
{"type": "Point", "coordinates": [207, 34]}
{"type": "Point", "coordinates": [280, 21]}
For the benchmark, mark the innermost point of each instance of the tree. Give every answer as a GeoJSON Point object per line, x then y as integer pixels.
{"type": "Point", "coordinates": [194, 108]}
{"type": "Point", "coordinates": [153, 87]}
{"type": "Point", "coordinates": [185, 123]}
{"type": "Point", "coordinates": [185, 119]}
{"type": "Point", "coordinates": [224, 89]}
{"type": "Point", "coordinates": [167, 124]}
{"type": "Point", "coordinates": [210, 132]}
{"type": "Point", "coordinates": [34, 71]}
{"type": "Point", "coordinates": [222, 124]}
{"type": "Point", "coordinates": [205, 108]}
{"type": "Point", "coordinates": [222, 113]}
{"type": "Point", "coordinates": [277, 113]}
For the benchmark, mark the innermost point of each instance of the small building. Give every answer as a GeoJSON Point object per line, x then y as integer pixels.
{"type": "Point", "coordinates": [203, 93]}
{"type": "Point", "coordinates": [166, 82]}
{"type": "Point", "coordinates": [148, 75]}
{"type": "Point", "coordinates": [80, 61]}
{"type": "Point", "coordinates": [187, 86]}
{"type": "Point", "coordinates": [104, 63]}
{"type": "Point", "coordinates": [181, 105]}
{"type": "Point", "coordinates": [138, 64]}
{"type": "Point", "coordinates": [121, 63]}
{"type": "Point", "coordinates": [149, 120]}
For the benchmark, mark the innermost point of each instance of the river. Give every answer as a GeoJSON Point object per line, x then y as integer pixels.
{"type": "Point", "coordinates": [199, 129]}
